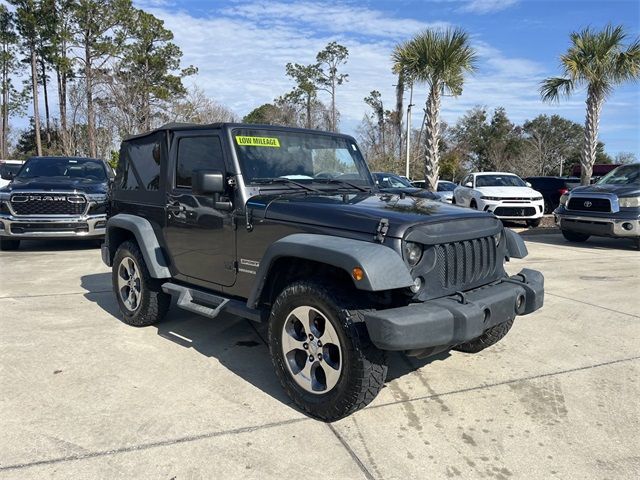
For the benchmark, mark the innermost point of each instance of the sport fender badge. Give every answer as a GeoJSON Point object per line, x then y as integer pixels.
{"type": "Point", "coordinates": [257, 141]}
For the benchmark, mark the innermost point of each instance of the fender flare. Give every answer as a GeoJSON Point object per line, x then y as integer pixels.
{"type": "Point", "coordinates": [383, 267]}
{"type": "Point", "coordinates": [145, 236]}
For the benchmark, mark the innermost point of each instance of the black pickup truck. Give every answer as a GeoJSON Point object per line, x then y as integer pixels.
{"type": "Point", "coordinates": [608, 208]}
{"type": "Point", "coordinates": [54, 197]}
{"type": "Point", "coordinates": [245, 219]}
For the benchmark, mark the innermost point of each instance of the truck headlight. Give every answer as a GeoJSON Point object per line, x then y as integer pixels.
{"type": "Point", "coordinates": [563, 199]}
{"type": "Point", "coordinates": [495, 199]}
{"type": "Point", "coordinates": [412, 253]}
{"type": "Point", "coordinates": [97, 197]}
{"type": "Point", "coordinates": [536, 199]}
{"type": "Point", "coordinates": [629, 202]}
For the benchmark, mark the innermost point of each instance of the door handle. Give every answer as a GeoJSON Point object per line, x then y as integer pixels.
{"type": "Point", "coordinates": [176, 207]}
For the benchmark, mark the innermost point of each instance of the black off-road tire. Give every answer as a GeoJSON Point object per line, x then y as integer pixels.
{"type": "Point", "coordinates": [533, 223]}
{"type": "Point", "coordinates": [473, 204]}
{"type": "Point", "coordinates": [154, 303]}
{"type": "Point", "coordinates": [7, 244]}
{"type": "Point", "coordinates": [364, 367]}
{"type": "Point", "coordinates": [575, 236]}
{"type": "Point", "coordinates": [488, 338]}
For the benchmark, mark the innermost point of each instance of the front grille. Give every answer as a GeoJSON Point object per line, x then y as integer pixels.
{"type": "Point", "coordinates": [466, 262]}
{"type": "Point", "coordinates": [589, 204]}
{"type": "Point", "coordinates": [514, 211]}
{"type": "Point", "coordinates": [48, 204]}
{"type": "Point", "coordinates": [20, 227]}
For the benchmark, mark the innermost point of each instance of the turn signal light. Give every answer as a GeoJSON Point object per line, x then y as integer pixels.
{"type": "Point", "coordinates": [358, 273]}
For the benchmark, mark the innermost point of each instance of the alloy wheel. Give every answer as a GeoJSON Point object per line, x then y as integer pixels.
{"type": "Point", "coordinates": [129, 286]}
{"type": "Point", "coordinates": [311, 349]}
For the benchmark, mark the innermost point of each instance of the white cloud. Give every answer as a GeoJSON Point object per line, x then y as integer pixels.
{"type": "Point", "coordinates": [486, 6]}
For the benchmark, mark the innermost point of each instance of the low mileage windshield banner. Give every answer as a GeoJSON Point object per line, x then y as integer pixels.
{"type": "Point", "coordinates": [257, 141]}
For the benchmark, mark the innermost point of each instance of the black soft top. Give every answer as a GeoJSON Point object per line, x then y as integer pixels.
{"type": "Point", "coordinates": [173, 127]}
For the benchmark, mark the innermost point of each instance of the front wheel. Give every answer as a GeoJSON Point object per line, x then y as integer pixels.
{"type": "Point", "coordinates": [488, 338]}
{"type": "Point", "coordinates": [575, 236]}
{"type": "Point", "coordinates": [9, 244]}
{"type": "Point", "coordinates": [533, 223]}
{"type": "Point", "coordinates": [322, 353]}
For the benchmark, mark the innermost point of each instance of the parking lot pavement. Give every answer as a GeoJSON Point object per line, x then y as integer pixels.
{"type": "Point", "coordinates": [84, 396]}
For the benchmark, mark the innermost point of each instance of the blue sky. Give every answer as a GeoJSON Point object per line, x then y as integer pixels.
{"type": "Point", "coordinates": [241, 47]}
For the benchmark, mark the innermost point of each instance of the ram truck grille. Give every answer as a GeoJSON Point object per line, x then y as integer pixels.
{"type": "Point", "coordinates": [466, 262]}
{"type": "Point", "coordinates": [48, 204]}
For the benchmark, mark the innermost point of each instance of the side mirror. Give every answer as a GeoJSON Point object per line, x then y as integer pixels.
{"type": "Point", "coordinates": [468, 185]}
{"type": "Point", "coordinates": [7, 176]}
{"type": "Point", "coordinates": [528, 184]}
{"type": "Point", "coordinates": [207, 182]}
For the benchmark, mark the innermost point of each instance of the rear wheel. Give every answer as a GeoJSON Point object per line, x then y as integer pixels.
{"type": "Point", "coordinates": [575, 236]}
{"type": "Point", "coordinates": [9, 244]}
{"type": "Point", "coordinates": [322, 353]}
{"type": "Point", "coordinates": [488, 338]}
{"type": "Point", "coordinates": [140, 297]}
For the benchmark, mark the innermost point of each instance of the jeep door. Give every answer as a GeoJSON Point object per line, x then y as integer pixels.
{"type": "Point", "coordinates": [199, 236]}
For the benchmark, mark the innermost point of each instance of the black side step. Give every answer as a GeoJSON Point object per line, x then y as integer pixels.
{"type": "Point", "coordinates": [210, 305]}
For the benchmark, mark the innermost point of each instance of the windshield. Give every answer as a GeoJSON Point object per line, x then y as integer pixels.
{"type": "Point", "coordinates": [80, 168]}
{"type": "Point", "coordinates": [625, 175]}
{"type": "Point", "coordinates": [303, 157]}
{"type": "Point", "coordinates": [499, 181]}
{"type": "Point", "coordinates": [446, 186]}
{"type": "Point", "coordinates": [391, 181]}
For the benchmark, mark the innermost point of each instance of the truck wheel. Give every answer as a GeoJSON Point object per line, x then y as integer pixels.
{"type": "Point", "coordinates": [473, 205]}
{"type": "Point", "coordinates": [322, 353]}
{"type": "Point", "coordinates": [488, 338]}
{"type": "Point", "coordinates": [575, 236]}
{"type": "Point", "coordinates": [533, 223]}
{"type": "Point", "coordinates": [8, 244]}
{"type": "Point", "coordinates": [140, 297]}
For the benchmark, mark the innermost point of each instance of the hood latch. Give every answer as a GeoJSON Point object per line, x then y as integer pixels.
{"type": "Point", "coordinates": [381, 230]}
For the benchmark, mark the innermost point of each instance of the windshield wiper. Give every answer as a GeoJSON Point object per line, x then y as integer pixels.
{"type": "Point", "coordinates": [285, 181]}
{"type": "Point", "coordinates": [341, 182]}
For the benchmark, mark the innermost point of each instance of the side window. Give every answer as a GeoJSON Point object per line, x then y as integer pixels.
{"type": "Point", "coordinates": [197, 153]}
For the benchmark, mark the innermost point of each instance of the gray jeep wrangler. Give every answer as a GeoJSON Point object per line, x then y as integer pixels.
{"type": "Point", "coordinates": [287, 226]}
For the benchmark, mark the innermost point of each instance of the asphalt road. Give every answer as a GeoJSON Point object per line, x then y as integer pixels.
{"type": "Point", "coordinates": [82, 395]}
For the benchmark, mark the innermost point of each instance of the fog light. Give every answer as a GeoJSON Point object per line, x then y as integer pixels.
{"type": "Point", "coordinates": [417, 285]}
{"type": "Point", "coordinates": [627, 226]}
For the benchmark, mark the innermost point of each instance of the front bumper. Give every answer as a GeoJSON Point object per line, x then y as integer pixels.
{"type": "Point", "coordinates": [59, 226]}
{"type": "Point", "coordinates": [456, 319]}
{"type": "Point", "coordinates": [513, 210]}
{"type": "Point", "coordinates": [624, 223]}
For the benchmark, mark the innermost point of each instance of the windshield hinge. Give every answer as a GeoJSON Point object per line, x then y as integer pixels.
{"type": "Point", "coordinates": [381, 231]}
{"type": "Point", "coordinates": [249, 219]}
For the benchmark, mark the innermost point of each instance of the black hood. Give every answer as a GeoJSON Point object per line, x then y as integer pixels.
{"type": "Point", "coordinates": [412, 191]}
{"type": "Point", "coordinates": [630, 190]}
{"type": "Point", "coordinates": [57, 184]}
{"type": "Point", "coordinates": [361, 212]}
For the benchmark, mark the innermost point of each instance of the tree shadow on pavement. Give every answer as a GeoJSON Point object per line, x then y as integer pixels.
{"type": "Point", "coordinates": [238, 344]}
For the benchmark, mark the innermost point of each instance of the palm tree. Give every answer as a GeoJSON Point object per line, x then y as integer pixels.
{"type": "Point", "coordinates": [439, 58]}
{"type": "Point", "coordinates": [599, 61]}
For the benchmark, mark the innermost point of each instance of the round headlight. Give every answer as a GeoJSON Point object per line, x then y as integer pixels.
{"type": "Point", "coordinates": [412, 253]}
